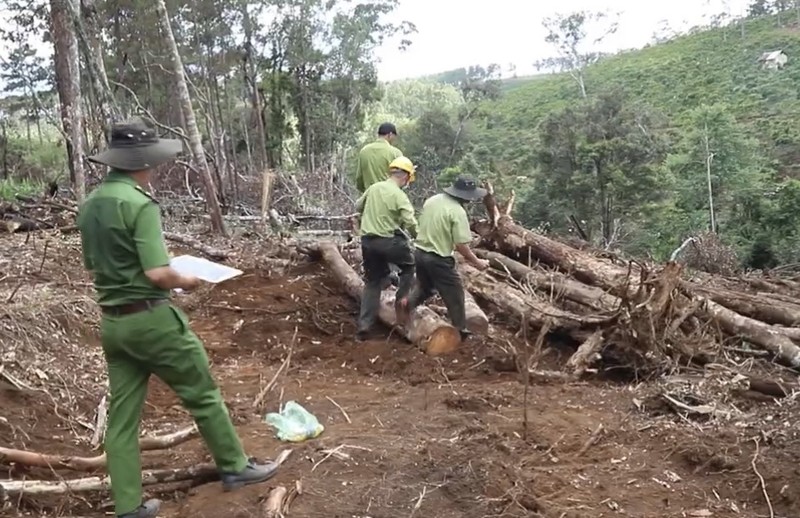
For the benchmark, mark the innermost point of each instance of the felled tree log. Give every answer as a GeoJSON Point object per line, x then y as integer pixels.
{"type": "Point", "coordinates": [517, 303]}
{"type": "Point", "coordinates": [764, 335]}
{"type": "Point", "coordinates": [210, 251]}
{"type": "Point", "coordinates": [773, 311]}
{"type": "Point", "coordinates": [524, 245]}
{"type": "Point", "coordinates": [43, 460]}
{"type": "Point", "coordinates": [555, 283]}
{"type": "Point", "coordinates": [12, 488]}
{"type": "Point", "coordinates": [477, 321]}
{"type": "Point", "coordinates": [424, 329]}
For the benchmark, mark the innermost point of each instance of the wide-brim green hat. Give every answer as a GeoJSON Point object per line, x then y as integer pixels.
{"type": "Point", "coordinates": [134, 146]}
{"type": "Point", "coordinates": [466, 188]}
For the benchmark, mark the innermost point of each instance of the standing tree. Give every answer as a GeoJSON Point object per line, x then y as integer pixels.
{"type": "Point", "coordinates": [68, 84]}
{"type": "Point", "coordinates": [715, 169]}
{"type": "Point", "coordinates": [569, 34]}
{"type": "Point", "coordinates": [598, 162]}
{"type": "Point", "coordinates": [195, 139]}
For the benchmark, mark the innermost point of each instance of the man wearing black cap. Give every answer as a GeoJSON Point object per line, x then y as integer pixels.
{"type": "Point", "coordinates": [141, 332]}
{"type": "Point", "coordinates": [443, 229]}
{"type": "Point", "coordinates": [375, 157]}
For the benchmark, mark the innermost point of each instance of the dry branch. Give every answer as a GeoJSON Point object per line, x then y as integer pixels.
{"type": "Point", "coordinates": [553, 283]}
{"type": "Point", "coordinates": [515, 302]}
{"type": "Point", "coordinates": [273, 506]}
{"type": "Point", "coordinates": [74, 463]}
{"type": "Point", "coordinates": [211, 252]}
{"type": "Point", "coordinates": [10, 488]}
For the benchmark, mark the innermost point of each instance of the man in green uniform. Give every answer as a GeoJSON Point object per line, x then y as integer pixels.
{"type": "Point", "coordinates": [373, 167]}
{"type": "Point", "coordinates": [386, 214]}
{"type": "Point", "coordinates": [142, 333]}
{"type": "Point", "coordinates": [375, 157]}
{"type": "Point", "coordinates": [443, 229]}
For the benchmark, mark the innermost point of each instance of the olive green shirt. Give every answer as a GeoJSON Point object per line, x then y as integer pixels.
{"type": "Point", "coordinates": [443, 224]}
{"type": "Point", "coordinates": [373, 163]}
{"type": "Point", "coordinates": [121, 237]}
{"type": "Point", "coordinates": [384, 208]}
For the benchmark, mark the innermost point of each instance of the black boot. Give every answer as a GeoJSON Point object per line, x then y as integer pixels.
{"type": "Point", "coordinates": [252, 474]}
{"type": "Point", "coordinates": [148, 509]}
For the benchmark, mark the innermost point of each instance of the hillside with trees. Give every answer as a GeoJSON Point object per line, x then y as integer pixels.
{"type": "Point", "coordinates": [654, 138]}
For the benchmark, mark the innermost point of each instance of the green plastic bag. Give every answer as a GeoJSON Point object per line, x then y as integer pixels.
{"type": "Point", "coordinates": [294, 423]}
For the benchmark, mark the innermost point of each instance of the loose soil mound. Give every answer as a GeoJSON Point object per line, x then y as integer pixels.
{"type": "Point", "coordinates": [412, 435]}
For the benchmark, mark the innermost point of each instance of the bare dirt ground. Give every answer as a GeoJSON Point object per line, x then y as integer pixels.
{"type": "Point", "coordinates": [411, 435]}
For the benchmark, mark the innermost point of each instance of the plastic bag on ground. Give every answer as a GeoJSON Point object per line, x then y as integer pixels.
{"type": "Point", "coordinates": [294, 423]}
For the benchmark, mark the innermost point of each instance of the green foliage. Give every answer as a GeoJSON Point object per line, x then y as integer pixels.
{"type": "Point", "coordinates": [631, 161]}
{"type": "Point", "coordinates": [10, 188]}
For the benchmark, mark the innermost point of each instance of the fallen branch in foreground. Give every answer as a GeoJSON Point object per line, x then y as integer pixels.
{"type": "Point", "coordinates": [199, 473]}
{"type": "Point", "coordinates": [210, 251]}
{"type": "Point", "coordinates": [43, 460]}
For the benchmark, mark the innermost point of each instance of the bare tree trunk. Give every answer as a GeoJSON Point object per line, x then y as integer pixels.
{"type": "Point", "coordinates": [68, 84]}
{"type": "Point", "coordinates": [88, 37]}
{"type": "Point", "coordinates": [195, 140]}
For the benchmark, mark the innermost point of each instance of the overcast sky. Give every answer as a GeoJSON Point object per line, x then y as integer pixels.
{"type": "Point", "coordinates": [455, 33]}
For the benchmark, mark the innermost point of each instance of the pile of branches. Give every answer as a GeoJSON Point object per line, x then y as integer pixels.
{"type": "Point", "coordinates": [641, 317]}
{"type": "Point", "coordinates": [27, 214]}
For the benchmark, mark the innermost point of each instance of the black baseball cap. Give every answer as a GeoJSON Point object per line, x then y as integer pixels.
{"type": "Point", "coordinates": [387, 128]}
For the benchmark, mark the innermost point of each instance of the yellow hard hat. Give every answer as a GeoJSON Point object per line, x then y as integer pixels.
{"type": "Point", "coordinates": [404, 164]}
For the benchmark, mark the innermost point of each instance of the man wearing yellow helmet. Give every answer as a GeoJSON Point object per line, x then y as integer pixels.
{"type": "Point", "coordinates": [386, 215]}
{"type": "Point", "coordinates": [375, 157]}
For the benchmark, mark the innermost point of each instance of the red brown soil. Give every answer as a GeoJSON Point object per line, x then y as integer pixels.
{"type": "Point", "coordinates": [430, 437]}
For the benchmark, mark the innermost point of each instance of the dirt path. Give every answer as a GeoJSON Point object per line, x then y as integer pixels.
{"type": "Point", "coordinates": [439, 438]}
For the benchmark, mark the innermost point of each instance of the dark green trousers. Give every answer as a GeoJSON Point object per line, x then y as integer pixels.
{"type": "Point", "coordinates": [159, 341]}
{"type": "Point", "coordinates": [378, 254]}
{"type": "Point", "coordinates": [438, 274]}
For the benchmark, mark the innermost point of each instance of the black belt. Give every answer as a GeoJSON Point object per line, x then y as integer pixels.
{"type": "Point", "coordinates": [133, 307]}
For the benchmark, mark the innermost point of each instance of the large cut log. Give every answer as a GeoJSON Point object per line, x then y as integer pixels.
{"type": "Point", "coordinates": [526, 246]}
{"type": "Point", "coordinates": [773, 311]}
{"type": "Point", "coordinates": [424, 329]}
{"type": "Point", "coordinates": [764, 335]}
{"type": "Point", "coordinates": [554, 283]}
{"type": "Point", "coordinates": [477, 321]}
{"type": "Point", "coordinates": [516, 303]}
{"type": "Point", "coordinates": [75, 463]}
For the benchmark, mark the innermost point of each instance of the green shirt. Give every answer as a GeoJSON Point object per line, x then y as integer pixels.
{"type": "Point", "coordinates": [384, 208]}
{"type": "Point", "coordinates": [121, 237]}
{"type": "Point", "coordinates": [373, 163]}
{"type": "Point", "coordinates": [443, 224]}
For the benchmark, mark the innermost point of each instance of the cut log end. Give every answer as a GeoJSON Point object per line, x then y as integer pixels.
{"type": "Point", "coordinates": [444, 340]}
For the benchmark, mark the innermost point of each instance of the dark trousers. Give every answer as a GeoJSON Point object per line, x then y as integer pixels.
{"type": "Point", "coordinates": [437, 273]}
{"type": "Point", "coordinates": [378, 254]}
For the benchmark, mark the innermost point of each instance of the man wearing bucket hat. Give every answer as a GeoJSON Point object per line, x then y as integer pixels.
{"type": "Point", "coordinates": [443, 229]}
{"type": "Point", "coordinates": [142, 333]}
{"type": "Point", "coordinates": [386, 216]}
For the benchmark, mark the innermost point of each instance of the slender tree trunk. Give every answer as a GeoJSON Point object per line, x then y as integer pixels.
{"type": "Point", "coordinates": [709, 158]}
{"type": "Point", "coordinates": [195, 140]}
{"type": "Point", "coordinates": [68, 84]}
{"type": "Point", "coordinates": [88, 37]}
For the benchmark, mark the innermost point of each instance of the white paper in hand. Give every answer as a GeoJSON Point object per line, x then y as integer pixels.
{"type": "Point", "coordinates": [204, 269]}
